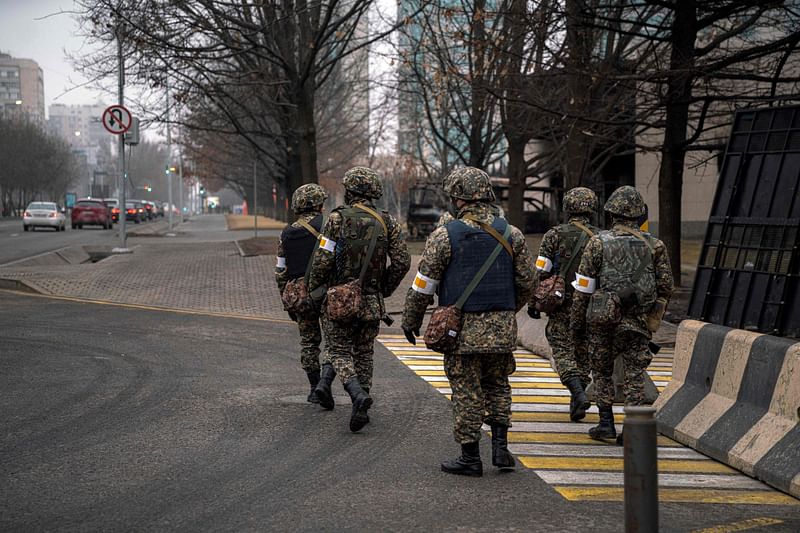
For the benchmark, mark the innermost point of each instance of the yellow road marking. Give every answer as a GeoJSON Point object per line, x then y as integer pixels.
{"type": "Point", "coordinates": [514, 385]}
{"type": "Point", "coordinates": [680, 495]}
{"type": "Point", "coordinates": [572, 438]}
{"type": "Point", "coordinates": [522, 416]}
{"type": "Point", "coordinates": [741, 525]}
{"type": "Point", "coordinates": [150, 307]}
{"type": "Point", "coordinates": [617, 464]}
{"type": "Point", "coordinates": [540, 399]}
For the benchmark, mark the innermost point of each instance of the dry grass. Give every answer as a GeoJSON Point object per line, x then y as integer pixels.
{"type": "Point", "coordinates": [259, 246]}
{"type": "Point", "coordinates": [247, 222]}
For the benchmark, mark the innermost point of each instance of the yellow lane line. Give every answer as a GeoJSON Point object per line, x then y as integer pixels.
{"type": "Point", "coordinates": [571, 438]}
{"type": "Point", "coordinates": [522, 416]}
{"type": "Point", "coordinates": [742, 525]}
{"type": "Point", "coordinates": [150, 307]}
{"type": "Point", "coordinates": [616, 464]}
{"type": "Point", "coordinates": [680, 495]}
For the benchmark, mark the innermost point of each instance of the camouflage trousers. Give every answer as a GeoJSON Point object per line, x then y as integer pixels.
{"type": "Point", "coordinates": [570, 352]}
{"type": "Point", "coordinates": [310, 340]}
{"type": "Point", "coordinates": [351, 346]}
{"type": "Point", "coordinates": [481, 392]}
{"type": "Point", "coordinates": [604, 347]}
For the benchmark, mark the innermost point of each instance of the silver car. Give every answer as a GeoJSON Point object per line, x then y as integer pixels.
{"type": "Point", "coordinates": [45, 214]}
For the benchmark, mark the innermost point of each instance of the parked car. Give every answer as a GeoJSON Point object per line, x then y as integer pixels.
{"type": "Point", "coordinates": [45, 214]}
{"type": "Point", "coordinates": [134, 212]}
{"type": "Point", "coordinates": [91, 212]}
{"type": "Point", "coordinates": [149, 209]}
{"type": "Point", "coordinates": [113, 205]}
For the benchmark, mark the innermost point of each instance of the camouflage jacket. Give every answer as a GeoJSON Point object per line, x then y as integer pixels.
{"type": "Point", "coordinates": [485, 332]}
{"type": "Point", "coordinates": [324, 262]}
{"type": "Point", "coordinates": [281, 277]}
{"type": "Point", "coordinates": [592, 264]}
{"type": "Point", "coordinates": [553, 248]}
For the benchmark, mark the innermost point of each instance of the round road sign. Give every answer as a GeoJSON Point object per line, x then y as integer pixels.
{"type": "Point", "coordinates": [117, 119]}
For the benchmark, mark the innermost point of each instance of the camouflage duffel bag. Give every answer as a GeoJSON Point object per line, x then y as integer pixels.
{"type": "Point", "coordinates": [443, 329]}
{"type": "Point", "coordinates": [296, 298]}
{"type": "Point", "coordinates": [344, 301]}
{"type": "Point", "coordinates": [549, 294]}
{"type": "Point", "coordinates": [605, 310]}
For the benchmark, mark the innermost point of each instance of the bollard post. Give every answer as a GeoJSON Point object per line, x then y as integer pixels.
{"type": "Point", "coordinates": [641, 470]}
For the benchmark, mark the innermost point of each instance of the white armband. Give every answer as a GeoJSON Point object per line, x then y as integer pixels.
{"type": "Point", "coordinates": [544, 264]}
{"type": "Point", "coordinates": [584, 284]}
{"type": "Point", "coordinates": [329, 245]}
{"type": "Point", "coordinates": [424, 285]}
{"type": "Point", "coordinates": [281, 263]}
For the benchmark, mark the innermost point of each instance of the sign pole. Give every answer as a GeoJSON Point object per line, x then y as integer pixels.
{"type": "Point", "coordinates": [123, 236]}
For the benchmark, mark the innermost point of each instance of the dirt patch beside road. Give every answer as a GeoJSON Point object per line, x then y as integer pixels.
{"type": "Point", "coordinates": [259, 246]}
{"type": "Point", "coordinates": [247, 222]}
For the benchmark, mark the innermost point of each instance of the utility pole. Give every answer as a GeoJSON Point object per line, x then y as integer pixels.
{"type": "Point", "coordinates": [255, 195]}
{"type": "Point", "coordinates": [169, 158]}
{"type": "Point", "coordinates": [123, 237]}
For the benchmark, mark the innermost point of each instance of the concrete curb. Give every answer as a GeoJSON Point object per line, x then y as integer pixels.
{"type": "Point", "coordinates": [735, 396]}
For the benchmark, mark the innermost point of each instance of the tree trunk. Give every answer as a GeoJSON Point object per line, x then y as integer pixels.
{"type": "Point", "coordinates": [516, 183]}
{"type": "Point", "coordinates": [579, 48]}
{"type": "Point", "coordinates": [302, 148]}
{"type": "Point", "coordinates": [673, 152]}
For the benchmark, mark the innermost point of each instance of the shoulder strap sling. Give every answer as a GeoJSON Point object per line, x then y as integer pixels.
{"type": "Point", "coordinates": [587, 234]}
{"type": "Point", "coordinates": [308, 227]}
{"type": "Point", "coordinates": [372, 242]}
{"type": "Point", "coordinates": [485, 268]}
{"type": "Point", "coordinates": [494, 233]}
{"type": "Point", "coordinates": [316, 234]}
{"type": "Point", "coordinates": [642, 267]}
{"type": "Point", "coordinates": [374, 214]}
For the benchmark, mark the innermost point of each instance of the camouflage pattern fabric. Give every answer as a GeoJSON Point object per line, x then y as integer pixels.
{"type": "Point", "coordinates": [481, 392]}
{"type": "Point", "coordinates": [636, 357]}
{"type": "Point", "coordinates": [569, 346]}
{"type": "Point", "coordinates": [351, 347]}
{"type": "Point", "coordinates": [604, 346]}
{"type": "Point", "coordinates": [485, 332]}
{"type": "Point", "coordinates": [470, 183]}
{"type": "Point", "coordinates": [445, 219]}
{"type": "Point", "coordinates": [580, 200]}
{"type": "Point", "coordinates": [308, 326]}
{"type": "Point", "coordinates": [308, 197]}
{"type": "Point", "coordinates": [625, 202]}
{"type": "Point", "coordinates": [364, 182]}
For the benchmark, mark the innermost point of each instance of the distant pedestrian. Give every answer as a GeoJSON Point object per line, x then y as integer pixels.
{"type": "Point", "coordinates": [475, 324]}
{"type": "Point", "coordinates": [559, 257]}
{"type": "Point", "coordinates": [622, 288]}
{"type": "Point", "coordinates": [351, 260]}
{"type": "Point", "coordinates": [295, 248]}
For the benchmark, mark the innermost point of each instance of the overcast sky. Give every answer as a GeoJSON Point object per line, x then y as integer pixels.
{"type": "Point", "coordinates": [45, 41]}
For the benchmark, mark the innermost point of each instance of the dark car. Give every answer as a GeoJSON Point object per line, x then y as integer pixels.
{"type": "Point", "coordinates": [91, 212]}
{"type": "Point", "coordinates": [134, 212]}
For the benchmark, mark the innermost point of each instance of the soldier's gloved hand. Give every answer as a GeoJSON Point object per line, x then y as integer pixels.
{"type": "Point", "coordinates": [534, 313]}
{"type": "Point", "coordinates": [411, 334]}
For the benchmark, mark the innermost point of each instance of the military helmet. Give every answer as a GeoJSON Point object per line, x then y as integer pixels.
{"type": "Point", "coordinates": [625, 202]}
{"type": "Point", "coordinates": [308, 197]}
{"type": "Point", "coordinates": [470, 184]}
{"type": "Point", "coordinates": [580, 200]}
{"type": "Point", "coordinates": [363, 181]}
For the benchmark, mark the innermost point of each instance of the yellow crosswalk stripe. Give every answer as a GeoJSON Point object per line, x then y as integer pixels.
{"type": "Point", "coordinates": [514, 385]}
{"type": "Point", "coordinates": [616, 464]}
{"type": "Point", "coordinates": [681, 495]}
{"type": "Point", "coordinates": [540, 399]}
{"type": "Point", "coordinates": [570, 438]}
{"type": "Point", "coordinates": [522, 416]}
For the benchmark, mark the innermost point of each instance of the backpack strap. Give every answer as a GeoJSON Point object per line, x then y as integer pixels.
{"type": "Point", "coordinates": [638, 235]}
{"type": "Point", "coordinates": [485, 268]}
{"type": "Point", "coordinates": [502, 239]}
{"type": "Point", "coordinates": [308, 227]}
{"type": "Point", "coordinates": [587, 234]}
{"type": "Point", "coordinates": [375, 215]}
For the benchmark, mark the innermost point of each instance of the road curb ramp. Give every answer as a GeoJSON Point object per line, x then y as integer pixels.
{"type": "Point", "coordinates": [735, 396]}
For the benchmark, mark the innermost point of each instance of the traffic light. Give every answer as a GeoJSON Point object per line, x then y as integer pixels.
{"type": "Point", "coordinates": [166, 170]}
{"type": "Point", "coordinates": [202, 191]}
{"type": "Point", "coordinates": [148, 188]}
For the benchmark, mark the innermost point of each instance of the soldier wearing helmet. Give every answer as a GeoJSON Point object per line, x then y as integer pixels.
{"type": "Point", "coordinates": [358, 244]}
{"type": "Point", "coordinates": [479, 365]}
{"type": "Point", "coordinates": [559, 255]}
{"type": "Point", "coordinates": [295, 246]}
{"type": "Point", "coordinates": [622, 287]}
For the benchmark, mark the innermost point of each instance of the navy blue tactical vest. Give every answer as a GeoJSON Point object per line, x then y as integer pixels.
{"type": "Point", "coordinates": [298, 245]}
{"type": "Point", "coordinates": [469, 249]}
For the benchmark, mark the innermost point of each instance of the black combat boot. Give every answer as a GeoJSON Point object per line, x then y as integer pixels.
{"type": "Point", "coordinates": [579, 403]}
{"type": "Point", "coordinates": [361, 403]}
{"type": "Point", "coordinates": [501, 457]}
{"type": "Point", "coordinates": [313, 379]}
{"type": "Point", "coordinates": [366, 389]}
{"type": "Point", "coordinates": [323, 390]}
{"type": "Point", "coordinates": [469, 464]}
{"type": "Point", "coordinates": [606, 429]}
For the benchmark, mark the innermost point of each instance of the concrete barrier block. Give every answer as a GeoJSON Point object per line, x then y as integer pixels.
{"type": "Point", "coordinates": [735, 396]}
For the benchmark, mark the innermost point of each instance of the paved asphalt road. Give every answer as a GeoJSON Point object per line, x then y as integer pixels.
{"type": "Point", "coordinates": [119, 418]}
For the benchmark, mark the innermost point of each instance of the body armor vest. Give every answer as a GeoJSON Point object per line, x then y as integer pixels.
{"type": "Point", "coordinates": [569, 234]}
{"type": "Point", "coordinates": [469, 249]}
{"type": "Point", "coordinates": [298, 245]}
{"type": "Point", "coordinates": [352, 246]}
{"type": "Point", "coordinates": [628, 263]}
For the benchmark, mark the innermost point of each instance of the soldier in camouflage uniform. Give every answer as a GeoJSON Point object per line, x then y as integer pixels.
{"type": "Point", "coordinates": [560, 254]}
{"type": "Point", "coordinates": [634, 266]}
{"type": "Point", "coordinates": [295, 247]}
{"type": "Point", "coordinates": [479, 367]}
{"type": "Point", "coordinates": [339, 259]}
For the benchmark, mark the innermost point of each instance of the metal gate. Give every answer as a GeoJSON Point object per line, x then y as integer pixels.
{"type": "Point", "coordinates": [747, 276]}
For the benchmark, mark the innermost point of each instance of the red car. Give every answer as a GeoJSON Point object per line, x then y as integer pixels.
{"type": "Point", "coordinates": [91, 211]}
